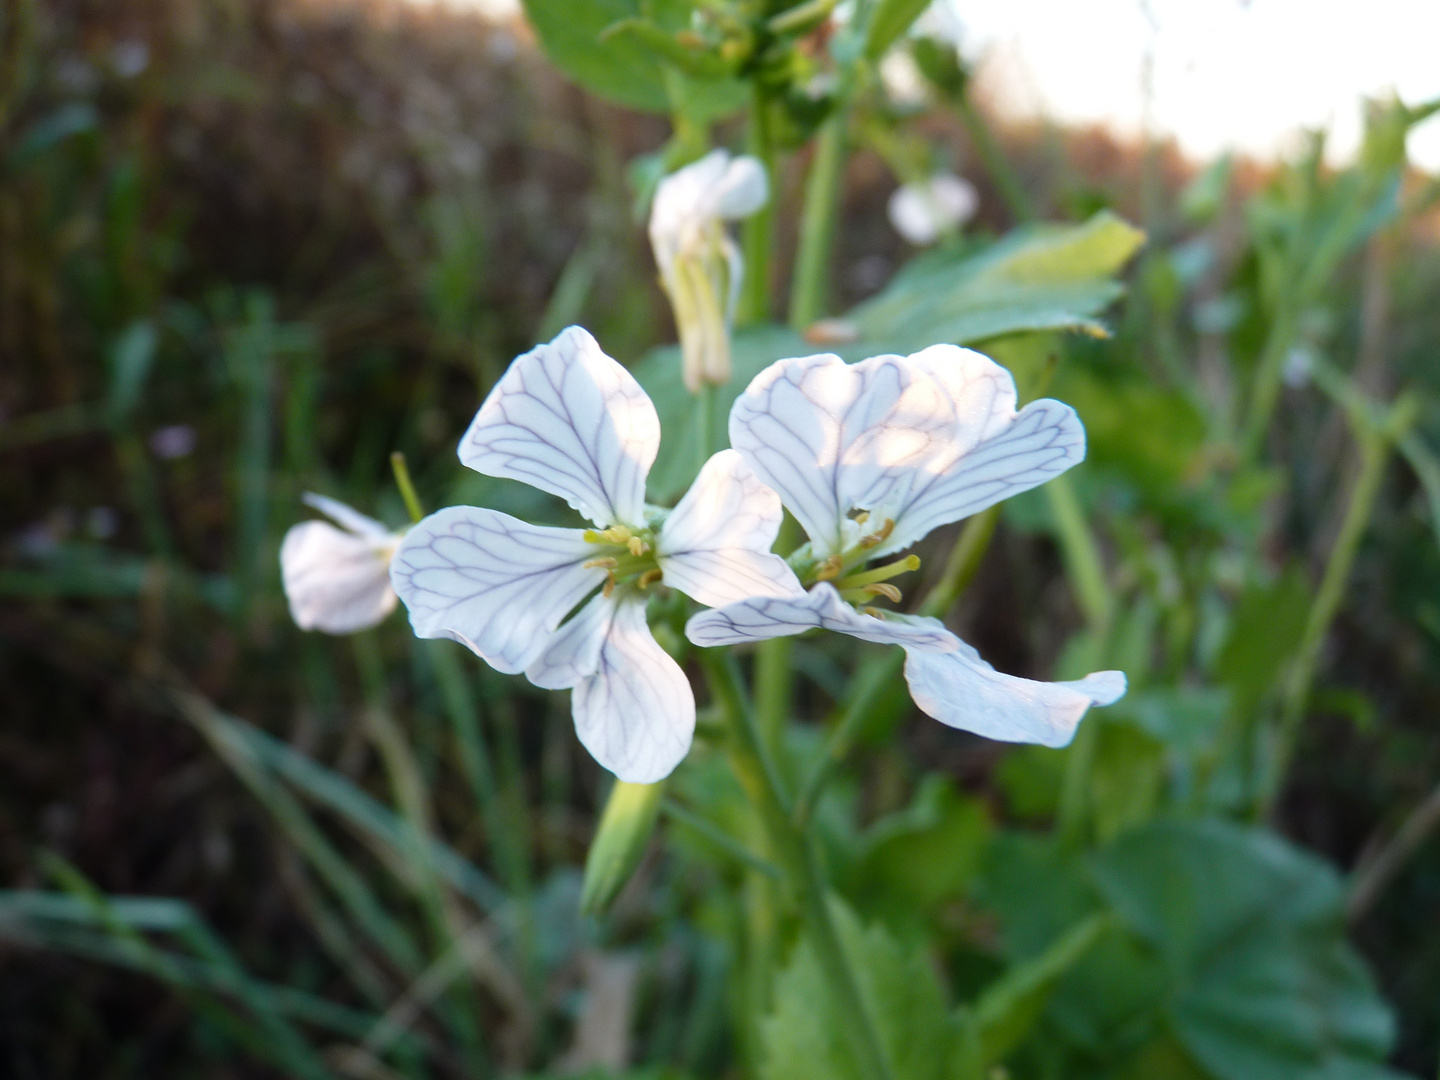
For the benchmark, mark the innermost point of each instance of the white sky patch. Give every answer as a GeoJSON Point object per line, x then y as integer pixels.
{"type": "Point", "coordinates": [1227, 74]}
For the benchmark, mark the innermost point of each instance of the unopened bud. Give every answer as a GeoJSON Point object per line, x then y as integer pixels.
{"type": "Point", "coordinates": [619, 844]}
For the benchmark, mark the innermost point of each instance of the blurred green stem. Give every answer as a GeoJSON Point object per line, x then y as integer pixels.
{"type": "Point", "coordinates": [810, 287]}
{"type": "Point", "coordinates": [759, 231]}
{"type": "Point", "coordinates": [1268, 377]}
{"type": "Point", "coordinates": [877, 676]}
{"type": "Point", "coordinates": [993, 158]}
{"type": "Point", "coordinates": [704, 423]}
{"type": "Point", "coordinates": [1375, 442]}
{"type": "Point", "coordinates": [796, 853]}
{"type": "Point", "coordinates": [406, 486]}
{"type": "Point", "coordinates": [774, 665]}
{"type": "Point", "coordinates": [1081, 553]}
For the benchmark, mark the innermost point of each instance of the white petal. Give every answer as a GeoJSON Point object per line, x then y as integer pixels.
{"type": "Point", "coordinates": [334, 580]}
{"type": "Point", "coordinates": [571, 421]}
{"type": "Point", "coordinates": [636, 712]}
{"type": "Point", "coordinates": [922, 440]}
{"type": "Point", "coordinates": [921, 212]}
{"type": "Point", "coordinates": [347, 516]}
{"type": "Point", "coordinates": [996, 452]}
{"type": "Point", "coordinates": [759, 618]}
{"type": "Point", "coordinates": [742, 190]}
{"type": "Point", "coordinates": [832, 437]}
{"type": "Point", "coordinates": [962, 690]}
{"type": "Point", "coordinates": [492, 582]}
{"type": "Point", "coordinates": [715, 546]}
{"type": "Point", "coordinates": [574, 652]}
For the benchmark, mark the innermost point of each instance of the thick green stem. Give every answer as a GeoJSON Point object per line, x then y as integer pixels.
{"type": "Point", "coordinates": [1374, 454]}
{"type": "Point", "coordinates": [406, 486]}
{"type": "Point", "coordinates": [796, 856]}
{"type": "Point", "coordinates": [1081, 553]}
{"type": "Point", "coordinates": [758, 235]}
{"type": "Point", "coordinates": [810, 287]}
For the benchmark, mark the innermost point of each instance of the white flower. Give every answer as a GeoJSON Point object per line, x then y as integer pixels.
{"type": "Point", "coordinates": [700, 265]}
{"type": "Point", "coordinates": [338, 580]}
{"type": "Point", "coordinates": [870, 458]}
{"type": "Point", "coordinates": [923, 212]}
{"type": "Point", "coordinates": [569, 420]}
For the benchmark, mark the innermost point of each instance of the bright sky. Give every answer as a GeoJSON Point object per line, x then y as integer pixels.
{"type": "Point", "coordinates": [1227, 74]}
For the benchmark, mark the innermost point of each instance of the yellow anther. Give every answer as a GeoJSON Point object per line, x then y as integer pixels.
{"type": "Point", "coordinates": [609, 585]}
{"type": "Point", "coordinates": [649, 577]}
{"type": "Point", "coordinates": [637, 546]}
{"type": "Point", "coordinates": [880, 537]}
{"type": "Point", "coordinates": [590, 536]}
{"type": "Point", "coordinates": [829, 568]}
{"type": "Point", "coordinates": [606, 563]}
{"type": "Point", "coordinates": [874, 613]}
{"type": "Point", "coordinates": [890, 592]}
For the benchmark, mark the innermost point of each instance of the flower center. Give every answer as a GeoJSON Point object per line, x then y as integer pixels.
{"type": "Point", "coordinates": [626, 555]}
{"type": "Point", "coordinates": [845, 569]}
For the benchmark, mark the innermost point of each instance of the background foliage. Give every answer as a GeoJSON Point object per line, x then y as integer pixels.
{"type": "Point", "coordinates": [249, 249]}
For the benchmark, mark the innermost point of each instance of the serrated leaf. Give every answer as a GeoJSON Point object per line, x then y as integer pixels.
{"type": "Point", "coordinates": [806, 1037]}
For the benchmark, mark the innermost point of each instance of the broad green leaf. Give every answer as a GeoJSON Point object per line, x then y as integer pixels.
{"type": "Point", "coordinates": [622, 66]}
{"type": "Point", "coordinates": [1251, 934]}
{"type": "Point", "coordinates": [1008, 1008]}
{"type": "Point", "coordinates": [806, 1037]}
{"type": "Point", "coordinates": [1264, 633]}
{"type": "Point", "coordinates": [1125, 778]}
{"type": "Point", "coordinates": [916, 859]}
{"type": "Point", "coordinates": [1041, 277]}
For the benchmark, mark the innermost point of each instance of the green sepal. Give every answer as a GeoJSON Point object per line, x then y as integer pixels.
{"type": "Point", "coordinates": [619, 844]}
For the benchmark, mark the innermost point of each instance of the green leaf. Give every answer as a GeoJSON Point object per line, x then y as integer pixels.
{"type": "Point", "coordinates": [1041, 277]}
{"type": "Point", "coordinates": [625, 67]}
{"type": "Point", "coordinates": [1264, 633]}
{"type": "Point", "coordinates": [888, 21]}
{"type": "Point", "coordinates": [915, 860]}
{"type": "Point", "coordinates": [1008, 1008]}
{"type": "Point", "coordinates": [1251, 934]}
{"type": "Point", "coordinates": [804, 1037]}
{"type": "Point", "coordinates": [620, 841]}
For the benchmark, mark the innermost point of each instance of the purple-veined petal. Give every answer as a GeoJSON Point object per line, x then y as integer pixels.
{"type": "Point", "coordinates": [759, 618]}
{"type": "Point", "coordinates": [492, 582]}
{"type": "Point", "coordinates": [633, 707]}
{"type": "Point", "coordinates": [569, 420]}
{"type": "Point", "coordinates": [830, 437]}
{"type": "Point", "coordinates": [962, 691]}
{"type": "Point", "coordinates": [715, 545]}
{"type": "Point", "coordinates": [334, 580]}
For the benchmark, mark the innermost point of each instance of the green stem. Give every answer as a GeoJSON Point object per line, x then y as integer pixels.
{"type": "Point", "coordinates": [877, 677]}
{"type": "Point", "coordinates": [774, 665]}
{"type": "Point", "coordinates": [406, 486]}
{"type": "Point", "coordinates": [1081, 553]}
{"type": "Point", "coordinates": [1374, 455]}
{"type": "Point", "coordinates": [1266, 390]}
{"type": "Point", "coordinates": [797, 857]}
{"type": "Point", "coordinates": [758, 235]}
{"type": "Point", "coordinates": [810, 286]}
{"type": "Point", "coordinates": [993, 158]}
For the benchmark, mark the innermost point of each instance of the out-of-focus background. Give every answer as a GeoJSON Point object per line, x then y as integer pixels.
{"type": "Point", "coordinates": [248, 248]}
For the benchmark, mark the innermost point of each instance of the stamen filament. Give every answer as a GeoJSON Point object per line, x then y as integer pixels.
{"type": "Point", "coordinates": [880, 573]}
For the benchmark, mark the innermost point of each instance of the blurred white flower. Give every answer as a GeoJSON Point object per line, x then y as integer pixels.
{"type": "Point", "coordinates": [870, 458]}
{"type": "Point", "coordinates": [700, 264]}
{"type": "Point", "coordinates": [923, 212]}
{"type": "Point", "coordinates": [338, 579]}
{"type": "Point", "coordinates": [569, 420]}
{"type": "Point", "coordinates": [174, 441]}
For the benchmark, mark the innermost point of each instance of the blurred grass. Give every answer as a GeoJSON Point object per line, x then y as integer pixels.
{"type": "Point", "coordinates": [247, 249]}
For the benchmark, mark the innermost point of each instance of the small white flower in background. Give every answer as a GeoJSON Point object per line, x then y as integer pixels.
{"type": "Point", "coordinates": [338, 579]}
{"type": "Point", "coordinates": [870, 458]}
{"type": "Point", "coordinates": [923, 212]}
{"type": "Point", "coordinates": [569, 420]}
{"type": "Point", "coordinates": [173, 441]}
{"type": "Point", "coordinates": [700, 264]}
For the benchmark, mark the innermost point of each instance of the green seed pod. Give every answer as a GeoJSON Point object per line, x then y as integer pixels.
{"type": "Point", "coordinates": [619, 843]}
